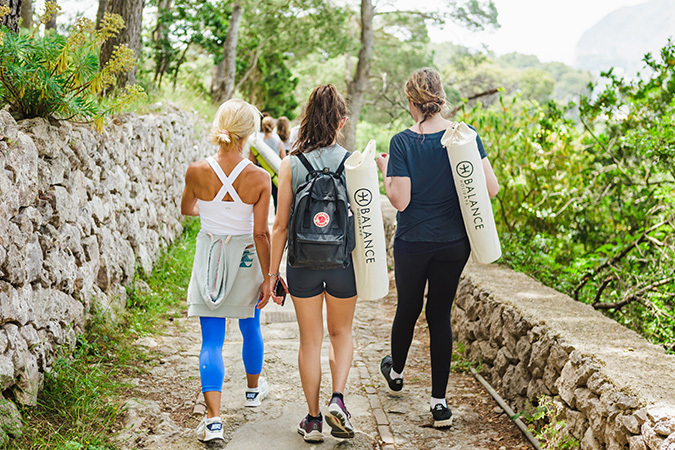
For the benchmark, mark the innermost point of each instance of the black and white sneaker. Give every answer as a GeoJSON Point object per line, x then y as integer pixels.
{"type": "Point", "coordinates": [255, 396]}
{"type": "Point", "coordinates": [395, 385]}
{"type": "Point", "coordinates": [210, 429]}
{"type": "Point", "coordinates": [442, 416]}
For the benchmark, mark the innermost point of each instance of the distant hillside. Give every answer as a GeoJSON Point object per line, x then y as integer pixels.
{"type": "Point", "coordinates": [468, 72]}
{"type": "Point", "coordinates": [623, 37]}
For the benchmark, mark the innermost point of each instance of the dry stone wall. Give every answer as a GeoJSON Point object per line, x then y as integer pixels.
{"type": "Point", "coordinates": [613, 389]}
{"type": "Point", "coordinates": [78, 212]}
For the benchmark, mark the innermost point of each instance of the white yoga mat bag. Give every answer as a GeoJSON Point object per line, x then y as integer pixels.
{"type": "Point", "coordinates": [474, 200]}
{"type": "Point", "coordinates": [370, 253]}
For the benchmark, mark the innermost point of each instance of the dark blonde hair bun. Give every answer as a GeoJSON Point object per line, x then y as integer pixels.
{"type": "Point", "coordinates": [425, 90]}
{"type": "Point", "coordinates": [268, 124]}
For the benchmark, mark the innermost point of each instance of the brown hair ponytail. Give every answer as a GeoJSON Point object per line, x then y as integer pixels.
{"type": "Point", "coordinates": [283, 128]}
{"type": "Point", "coordinates": [320, 124]}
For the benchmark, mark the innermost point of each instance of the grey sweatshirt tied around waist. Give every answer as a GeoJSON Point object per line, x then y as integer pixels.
{"type": "Point", "coordinates": [226, 277]}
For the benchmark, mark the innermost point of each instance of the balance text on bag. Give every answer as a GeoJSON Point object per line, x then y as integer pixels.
{"type": "Point", "coordinates": [370, 251]}
{"type": "Point", "coordinates": [474, 200]}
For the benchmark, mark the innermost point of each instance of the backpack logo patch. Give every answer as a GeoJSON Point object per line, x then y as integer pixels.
{"type": "Point", "coordinates": [321, 219]}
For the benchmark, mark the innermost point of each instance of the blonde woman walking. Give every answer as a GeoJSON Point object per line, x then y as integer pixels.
{"type": "Point", "coordinates": [230, 272]}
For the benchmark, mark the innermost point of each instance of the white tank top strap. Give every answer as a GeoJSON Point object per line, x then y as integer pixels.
{"type": "Point", "coordinates": [227, 181]}
{"type": "Point", "coordinates": [239, 168]}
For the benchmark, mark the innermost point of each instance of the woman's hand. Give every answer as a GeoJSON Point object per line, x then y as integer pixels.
{"type": "Point", "coordinates": [279, 300]}
{"type": "Point", "coordinates": [381, 161]}
{"type": "Point", "coordinates": [265, 293]}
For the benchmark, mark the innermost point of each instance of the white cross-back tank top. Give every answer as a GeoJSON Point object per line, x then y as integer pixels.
{"type": "Point", "coordinates": [226, 218]}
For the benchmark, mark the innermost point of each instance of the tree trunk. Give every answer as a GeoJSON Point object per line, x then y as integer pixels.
{"type": "Point", "coordinates": [132, 13]}
{"type": "Point", "coordinates": [11, 20]}
{"type": "Point", "coordinates": [102, 6]}
{"type": "Point", "coordinates": [159, 38]}
{"type": "Point", "coordinates": [222, 87]}
{"type": "Point", "coordinates": [27, 14]}
{"type": "Point", "coordinates": [357, 87]}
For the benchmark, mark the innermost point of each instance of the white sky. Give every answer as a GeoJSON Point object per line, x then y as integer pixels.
{"type": "Point", "coordinates": [549, 29]}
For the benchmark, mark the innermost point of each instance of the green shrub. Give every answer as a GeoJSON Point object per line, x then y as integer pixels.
{"type": "Point", "coordinates": [586, 202]}
{"type": "Point", "coordinates": [52, 76]}
{"type": "Point", "coordinates": [548, 428]}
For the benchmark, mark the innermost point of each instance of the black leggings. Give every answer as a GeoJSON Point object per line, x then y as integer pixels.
{"type": "Point", "coordinates": [441, 264]}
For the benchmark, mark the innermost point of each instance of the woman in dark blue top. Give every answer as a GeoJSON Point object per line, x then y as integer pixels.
{"type": "Point", "coordinates": [431, 244]}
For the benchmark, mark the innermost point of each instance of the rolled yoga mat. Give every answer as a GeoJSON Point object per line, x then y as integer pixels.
{"type": "Point", "coordinates": [370, 253]}
{"type": "Point", "coordinates": [474, 200]}
{"type": "Point", "coordinates": [267, 158]}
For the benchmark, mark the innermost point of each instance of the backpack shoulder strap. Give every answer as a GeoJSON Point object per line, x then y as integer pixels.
{"type": "Point", "coordinates": [305, 163]}
{"type": "Point", "coordinates": [341, 167]}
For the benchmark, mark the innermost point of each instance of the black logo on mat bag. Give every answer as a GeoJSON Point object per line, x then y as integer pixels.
{"type": "Point", "coordinates": [464, 169]}
{"type": "Point", "coordinates": [363, 197]}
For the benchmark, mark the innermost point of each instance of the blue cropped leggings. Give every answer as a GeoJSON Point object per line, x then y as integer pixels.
{"type": "Point", "coordinates": [211, 367]}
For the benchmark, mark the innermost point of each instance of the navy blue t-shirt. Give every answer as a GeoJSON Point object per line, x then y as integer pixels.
{"type": "Point", "coordinates": [433, 214]}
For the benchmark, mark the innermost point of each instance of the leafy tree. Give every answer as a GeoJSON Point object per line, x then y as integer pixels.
{"type": "Point", "coordinates": [272, 86]}
{"type": "Point", "coordinates": [590, 211]}
{"type": "Point", "coordinates": [536, 84]}
{"type": "Point", "coordinates": [473, 14]}
{"type": "Point", "coordinates": [181, 26]}
{"type": "Point", "coordinates": [161, 45]}
{"type": "Point", "coordinates": [468, 73]}
{"type": "Point", "coordinates": [402, 46]}
{"type": "Point", "coordinates": [280, 32]}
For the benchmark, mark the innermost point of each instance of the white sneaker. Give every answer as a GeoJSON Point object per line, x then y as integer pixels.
{"type": "Point", "coordinates": [210, 429]}
{"type": "Point", "coordinates": [255, 396]}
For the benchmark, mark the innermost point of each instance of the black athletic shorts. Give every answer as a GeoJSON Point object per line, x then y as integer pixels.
{"type": "Point", "coordinates": [305, 283]}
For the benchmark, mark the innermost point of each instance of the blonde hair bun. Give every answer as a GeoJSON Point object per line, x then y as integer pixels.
{"type": "Point", "coordinates": [234, 122]}
{"type": "Point", "coordinates": [223, 137]}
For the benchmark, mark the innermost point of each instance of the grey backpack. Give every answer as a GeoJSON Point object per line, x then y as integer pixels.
{"type": "Point", "coordinates": [321, 226]}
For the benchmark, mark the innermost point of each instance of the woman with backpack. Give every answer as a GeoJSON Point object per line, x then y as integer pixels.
{"type": "Point", "coordinates": [431, 244]}
{"type": "Point", "coordinates": [229, 276]}
{"type": "Point", "coordinates": [317, 148]}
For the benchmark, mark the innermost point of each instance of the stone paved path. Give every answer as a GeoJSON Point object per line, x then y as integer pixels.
{"type": "Point", "coordinates": [169, 409]}
{"type": "Point", "coordinates": [166, 405]}
{"type": "Point", "coordinates": [168, 416]}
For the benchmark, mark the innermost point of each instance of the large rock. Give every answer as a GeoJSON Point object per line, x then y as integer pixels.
{"type": "Point", "coordinates": [50, 138]}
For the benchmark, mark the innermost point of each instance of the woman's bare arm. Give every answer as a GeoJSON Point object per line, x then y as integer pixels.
{"type": "Point", "coordinates": [397, 188]}
{"type": "Point", "coordinates": [261, 235]}
{"type": "Point", "coordinates": [490, 178]}
{"type": "Point", "coordinates": [188, 202]}
{"type": "Point", "coordinates": [280, 227]}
